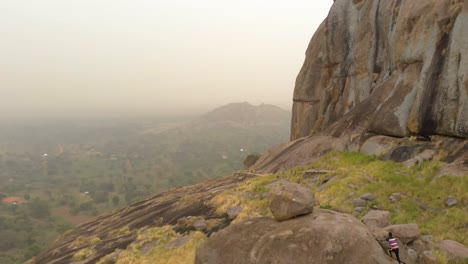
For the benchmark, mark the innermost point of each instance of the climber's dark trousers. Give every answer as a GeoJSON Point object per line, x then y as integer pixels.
{"type": "Point", "coordinates": [396, 251]}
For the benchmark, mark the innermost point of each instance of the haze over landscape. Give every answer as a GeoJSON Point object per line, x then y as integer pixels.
{"type": "Point", "coordinates": [104, 103]}
{"type": "Point", "coordinates": [93, 58]}
{"type": "Point", "coordinates": [161, 132]}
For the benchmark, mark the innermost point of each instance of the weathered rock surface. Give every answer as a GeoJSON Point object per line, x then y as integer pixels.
{"type": "Point", "coordinates": [395, 197]}
{"type": "Point", "coordinates": [359, 202]}
{"type": "Point", "coordinates": [289, 200]}
{"type": "Point", "coordinates": [377, 218]}
{"type": "Point", "coordinates": [456, 168]}
{"type": "Point", "coordinates": [163, 209]}
{"type": "Point", "coordinates": [379, 68]}
{"type": "Point", "coordinates": [451, 201]}
{"type": "Point", "coordinates": [306, 150]}
{"type": "Point", "coordinates": [412, 254]}
{"type": "Point", "coordinates": [420, 246]}
{"type": "Point", "coordinates": [321, 237]}
{"type": "Point", "coordinates": [404, 232]}
{"type": "Point", "coordinates": [378, 145]}
{"type": "Point", "coordinates": [233, 212]}
{"type": "Point", "coordinates": [200, 224]}
{"type": "Point", "coordinates": [426, 155]}
{"type": "Point", "coordinates": [454, 250]}
{"type": "Point", "coordinates": [178, 242]}
{"type": "Point", "coordinates": [428, 258]}
{"type": "Point", "coordinates": [368, 197]}
{"type": "Point", "coordinates": [296, 153]}
{"type": "Point", "coordinates": [458, 165]}
{"type": "Point", "coordinates": [411, 76]}
{"type": "Point", "coordinates": [358, 210]}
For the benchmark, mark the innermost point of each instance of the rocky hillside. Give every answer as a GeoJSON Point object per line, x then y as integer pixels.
{"type": "Point", "coordinates": [262, 214]}
{"type": "Point", "coordinates": [384, 78]}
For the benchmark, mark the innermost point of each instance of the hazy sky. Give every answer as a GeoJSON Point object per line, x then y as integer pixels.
{"type": "Point", "coordinates": [76, 56]}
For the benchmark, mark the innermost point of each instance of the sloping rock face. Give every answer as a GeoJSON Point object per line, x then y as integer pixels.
{"type": "Point", "coordinates": [117, 230]}
{"type": "Point", "coordinates": [454, 250]}
{"type": "Point", "coordinates": [321, 237]}
{"type": "Point", "coordinates": [394, 68]}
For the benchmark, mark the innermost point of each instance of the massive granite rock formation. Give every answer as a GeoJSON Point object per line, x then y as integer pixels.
{"type": "Point", "coordinates": [395, 68]}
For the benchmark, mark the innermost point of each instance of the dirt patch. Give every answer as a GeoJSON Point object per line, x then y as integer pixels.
{"type": "Point", "coordinates": [64, 213]}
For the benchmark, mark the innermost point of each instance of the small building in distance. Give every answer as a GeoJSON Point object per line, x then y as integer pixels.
{"type": "Point", "coordinates": [13, 200]}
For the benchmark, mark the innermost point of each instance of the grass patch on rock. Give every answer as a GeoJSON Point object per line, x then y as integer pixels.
{"type": "Point", "coordinates": [343, 177]}
{"type": "Point", "coordinates": [153, 246]}
{"type": "Point", "coordinates": [355, 174]}
{"type": "Point", "coordinates": [252, 195]}
{"type": "Point", "coordinates": [83, 254]}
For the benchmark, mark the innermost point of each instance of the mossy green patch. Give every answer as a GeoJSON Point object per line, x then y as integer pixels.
{"type": "Point", "coordinates": [120, 232]}
{"type": "Point", "coordinates": [160, 253]}
{"type": "Point", "coordinates": [355, 174]}
{"type": "Point", "coordinates": [83, 254]}
{"type": "Point", "coordinates": [85, 241]}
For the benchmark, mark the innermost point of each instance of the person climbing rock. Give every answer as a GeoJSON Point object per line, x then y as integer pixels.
{"type": "Point", "coordinates": [393, 246]}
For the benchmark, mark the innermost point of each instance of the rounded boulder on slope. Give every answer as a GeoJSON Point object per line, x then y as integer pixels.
{"type": "Point", "coordinates": [289, 200]}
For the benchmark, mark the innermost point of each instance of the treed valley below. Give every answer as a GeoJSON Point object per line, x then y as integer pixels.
{"type": "Point", "coordinates": [57, 174]}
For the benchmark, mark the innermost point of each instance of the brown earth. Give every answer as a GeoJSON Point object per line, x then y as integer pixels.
{"type": "Point", "coordinates": [64, 213]}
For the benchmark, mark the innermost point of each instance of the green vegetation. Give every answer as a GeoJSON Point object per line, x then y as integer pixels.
{"type": "Point", "coordinates": [85, 241]}
{"type": "Point", "coordinates": [355, 174]}
{"type": "Point", "coordinates": [23, 228]}
{"type": "Point", "coordinates": [153, 248]}
{"type": "Point", "coordinates": [93, 167]}
{"type": "Point", "coordinates": [349, 175]}
{"type": "Point", "coordinates": [120, 232]}
{"type": "Point", "coordinates": [83, 254]}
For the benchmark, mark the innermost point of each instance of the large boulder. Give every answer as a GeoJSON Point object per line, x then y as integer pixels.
{"type": "Point", "coordinates": [453, 249]}
{"type": "Point", "coordinates": [377, 218]}
{"type": "Point", "coordinates": [359, 202]}
{"type": "Point", "coordinates": [325, 237]}
{"type": "Point", "coordinates": [289, 200]}
{"type": "Point", "coordinates": [377, 145]}
{"type": "Point", "coordinates": [420, 245]}
{"type": "Point", "coordinates": [458, 167]}
{"type": "Point", "coordinates": [404, 232]}
{"type": "Point", "coordinates": [428, 257]}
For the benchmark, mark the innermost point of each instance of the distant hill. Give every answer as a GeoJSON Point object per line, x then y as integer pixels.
{"type": "Point", "coordinates": [215, 144]}
{"type": "Point", "coordinates": [245, 113]}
